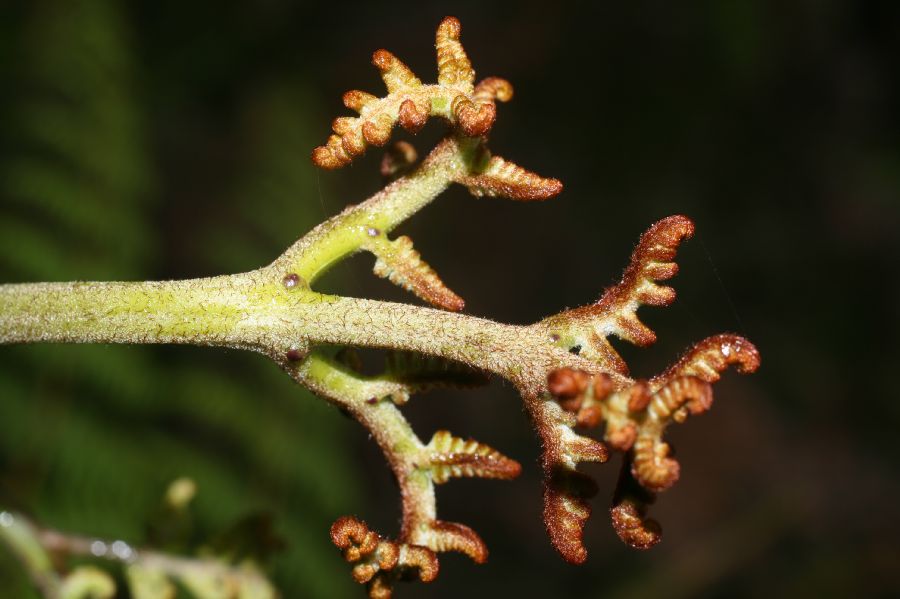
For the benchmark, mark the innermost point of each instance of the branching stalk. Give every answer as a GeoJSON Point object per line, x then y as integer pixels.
{"type": "Point", "coordinates": [564, 366]}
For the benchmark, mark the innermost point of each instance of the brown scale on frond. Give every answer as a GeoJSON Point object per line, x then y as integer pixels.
{"type": "Point", "coordinates": [400, 263]}
{"type": "Point", "coordinates": [505, 179]}
{"type": "Point", "coordinates": [377, 562]}
{"type": "Point", "coordinates": [451, 456]}
{"type": "Point", "coordinates": [409, 103]}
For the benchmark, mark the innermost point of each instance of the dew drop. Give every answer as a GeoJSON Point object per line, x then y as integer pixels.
{"type": "Point", "coordinates": [6, 519]}
{"type": "Point", "coordinates": [122, 550]}
{"type": "Point", "coordinates": [99, 548]}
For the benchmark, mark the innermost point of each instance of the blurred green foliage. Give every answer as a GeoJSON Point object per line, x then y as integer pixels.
{"type": "Point", "coordinates": [90, 436]}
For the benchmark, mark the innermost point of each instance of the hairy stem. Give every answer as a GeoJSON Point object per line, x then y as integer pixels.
{"type": "Point", "coordinates": [273, 310]}
{"type": "Point", "coordinates": [214, 311]}
{"type": "Point", "coordinates": [256, 311]}
{"type": "Point", "coordinates": [364, 399]}
{"type": "Point", "coordinates": [355, 227]}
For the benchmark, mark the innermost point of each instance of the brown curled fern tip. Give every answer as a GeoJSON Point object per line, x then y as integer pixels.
{"type": "Point", "coordinates": [636, 412]}
{"type": "Point", "coordinates": [378, 562]}
{"type": "Point", "coordinates": [455, 457]}
{"type": "Point", "coordinates": [410, 103]}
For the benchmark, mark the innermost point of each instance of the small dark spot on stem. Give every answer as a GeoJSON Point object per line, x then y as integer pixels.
{"type": "Point", "coordinates": [373, 232]}
{"type": "Point", "coordinates": [575, 349]}
{"type": "Point", "coordinates": [554, 337]}
{"type": "Point", "coordinates": [294, 355]}
{"type": "Point", "coordinates": [372, 401]}
{"type": "Point", "coordinates": [291, 280]}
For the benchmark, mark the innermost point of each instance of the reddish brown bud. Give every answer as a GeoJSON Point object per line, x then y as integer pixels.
{"type": "Point", "coordinates": [590, 416]}
{"type": "Point", "coordinates": [411, 118]}
{"type": "Point", "coordinates": [639, 396]}
{"type": "Point", "coordinates": [603, 386]}
{"type": "Point", "coordinates": [377, 133]}
{"type": "Point", "coordinates": [622, 438]}
{"type": "Point", "coordinates": [422, 559]}
{"type": "Point", "coordinates": [357, 100]}
{"type": "Point", "coordinates": [652, 466]}
{"type": "Point", "coordinates": [566, 383]}
{"type": "Point", "coordinates": [474, 120]}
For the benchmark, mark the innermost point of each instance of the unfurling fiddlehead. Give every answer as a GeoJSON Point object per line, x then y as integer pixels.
{"type": "Point", "coordinates": [636, 412]}
{"type": "Point", "coordinates": [564, 367]}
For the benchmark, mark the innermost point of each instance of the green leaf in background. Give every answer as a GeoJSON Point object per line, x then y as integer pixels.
{"type": "Point", "coordinates": [91, 436]}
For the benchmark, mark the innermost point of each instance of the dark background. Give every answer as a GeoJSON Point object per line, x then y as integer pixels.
{"type": "Point", "coordinates": [166, 139]}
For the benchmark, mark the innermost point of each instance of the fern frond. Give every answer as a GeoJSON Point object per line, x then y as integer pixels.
{"type": "Point", "coordinates": [450, 456]}
{"type": "Point", "coordinates": [410, 103]}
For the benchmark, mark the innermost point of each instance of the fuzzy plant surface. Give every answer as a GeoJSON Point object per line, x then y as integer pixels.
{"type": "Point", "coordinates": [568, 374]}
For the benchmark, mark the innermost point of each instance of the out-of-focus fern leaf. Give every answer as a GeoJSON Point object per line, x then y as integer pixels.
{"type": "Point", "coordinates": [261, 217]}
{"type": "Point", "coordinates": [278, 195]}
{"type": "Point", "coordinates": [77, 165]}
{"type": "Point", "coordinates": [74, 183]}
{"type": "Point", "coordinates": [90, 436]}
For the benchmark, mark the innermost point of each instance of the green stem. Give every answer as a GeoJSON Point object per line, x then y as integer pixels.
{"type": "Point", "coordinates": [257, 311]}
{"type": "Point", "coordinates": [213, 311]}
{"type": "Point", "coordinates": [351, 230]}
{"type": "Point", "coordinates": [367, 401]}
